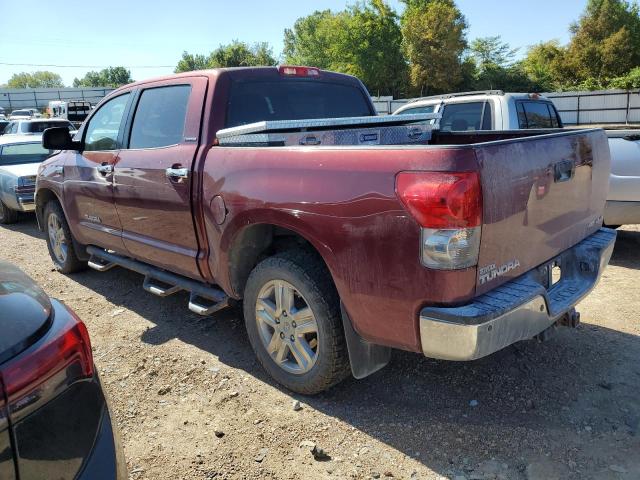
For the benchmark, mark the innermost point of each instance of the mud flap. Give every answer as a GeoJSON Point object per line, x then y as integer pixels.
{"type": "Point", "coordinates": [365, 357]}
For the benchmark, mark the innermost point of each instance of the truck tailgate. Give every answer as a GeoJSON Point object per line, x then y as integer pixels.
{"type": "Point", "coordinates": [541, 196]}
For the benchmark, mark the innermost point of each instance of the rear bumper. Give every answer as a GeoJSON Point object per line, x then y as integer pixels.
{"type": "Point", "coordinates": [517, 310]}
{"type": "Point", "coordinates": [621, 213]}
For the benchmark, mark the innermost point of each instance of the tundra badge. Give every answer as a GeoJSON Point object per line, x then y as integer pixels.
{"type": "Point", "coordinates": [491, 272]}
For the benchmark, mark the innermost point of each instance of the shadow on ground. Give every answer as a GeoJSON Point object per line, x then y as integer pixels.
{"type": "Point", "coordinates": [552, 407]}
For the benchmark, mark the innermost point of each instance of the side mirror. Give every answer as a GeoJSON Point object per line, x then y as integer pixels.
{"type": "Point", "coordinates": [59, 138]}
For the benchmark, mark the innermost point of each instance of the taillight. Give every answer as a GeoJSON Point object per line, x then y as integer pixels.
{"type": "Point", "coordinates": [296, 71]}
{"type": "Point", "coordinates": [62, 357]}
{"type": "Point", "coordinates": [448, 207]}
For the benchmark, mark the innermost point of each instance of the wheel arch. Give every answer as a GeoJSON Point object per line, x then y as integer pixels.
{"type": "Point", "coordinates": [44, 196]}
{"type": "Point", "coordinates": [253, 242]}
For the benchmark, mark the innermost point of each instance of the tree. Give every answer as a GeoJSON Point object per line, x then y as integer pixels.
{"type": "Point", "coordinates": [42, 79]}
{"type": "Point", "coordinates": [111, 77]}
{"type": "Point", "coordinates": [234, 54]}
{"type": "Point", "coordinates": [493, 62]}
{"type": "Point", "coordinates": [434, 40]}
{"type": "Point", "coordinates": [605, 42]}
{"type": "Point", "coordinates": [190, 62]}
{"type": "Point", "coordinates": [309, 41]}
{"type": "Point", "coordinates": [364, 40]}
{"type": "Point", "coordinates": [543, 64]}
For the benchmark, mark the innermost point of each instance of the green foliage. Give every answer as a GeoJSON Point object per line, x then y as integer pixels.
{"type": "Point", "coordinates": [310, 39]}
{"type": "Point", "coordinates": [234, 54]}
{"type": "Point", "coordinates": [364, 40]}
{"type": "Point", "coordinates": [42, 79]}
{"type": "Point", "coordinates": [605, 43]}
{"type": "Point", "coordinates": [433, 33]}
{"type": "Point", "coordinates": [628, 81]}
{"type": "Point", "coordinates": [543, 65]}
{"type": "Point", "coordinates": [111, 77]}
{"type": "Point", "coordinates": [425, 50]}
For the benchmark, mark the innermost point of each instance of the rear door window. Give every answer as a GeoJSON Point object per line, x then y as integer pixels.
{"type": "Point", "coordinates": [466, 116]}
{"type": "Point", "coordinates": [537, 115]}
{"type": "Point", "coordinates": [160, 116]}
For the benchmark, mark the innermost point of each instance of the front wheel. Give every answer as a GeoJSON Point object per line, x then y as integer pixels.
{"type": "Point", "coordinates": [59, 240]}
{"type": "Point", "coordinates": [292, 316]}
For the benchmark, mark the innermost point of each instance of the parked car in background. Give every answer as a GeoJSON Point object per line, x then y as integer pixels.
{"type": "Point", "coordinates": [20, 157]}
{"type": "Point", "coordinates": [36, 126]}
{"type": "Point", "coordinates": [21, 115]}
{"type": "Point", "coordinates": [496, 110]}
{"type": "Point", "coordinates": [263, 184]}
{"type": "Point", "coordinates": [54, 418]}
{"type": "Point", "coordinates": [3, 124]}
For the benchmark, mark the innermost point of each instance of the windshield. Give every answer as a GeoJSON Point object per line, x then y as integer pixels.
{"type": "Point", "coordinates": [23, 113]}
{"type": "Point", "coordinates": [21, 153]}
{"type": "Point", "coordinates": [39, 127]}
{"type": "Point", "coordinates": [258, 100]}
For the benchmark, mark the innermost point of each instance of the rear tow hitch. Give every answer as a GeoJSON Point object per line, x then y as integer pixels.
{"type": "Point", "coordinates": [570, 319]}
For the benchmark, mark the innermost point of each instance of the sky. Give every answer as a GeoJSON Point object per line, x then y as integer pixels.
{"type": "Point", "coordinates": [153, 33]}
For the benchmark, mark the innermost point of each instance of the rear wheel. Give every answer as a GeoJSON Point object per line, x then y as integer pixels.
{"type": "Point", "coordinates": [7, 216]}
{"type": "Point", "coordinates": [292, 315]}
{"type": "Point", "coordinates": [59, 240]}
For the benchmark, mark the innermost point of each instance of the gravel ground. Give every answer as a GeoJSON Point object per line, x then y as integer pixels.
{"type": "Point", "coordinates": [191, 401]}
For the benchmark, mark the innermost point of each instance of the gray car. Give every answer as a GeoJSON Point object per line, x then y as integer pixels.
{"type": "Point", "coordinates": [20, 157]}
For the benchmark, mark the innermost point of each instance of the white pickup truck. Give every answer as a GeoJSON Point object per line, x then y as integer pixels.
{"type": "Point", "coordinates": [496, 110]}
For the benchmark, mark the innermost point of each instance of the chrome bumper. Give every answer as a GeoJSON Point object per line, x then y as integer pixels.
{"type": "Point", "coordinates": [26, 203]}
{"type": "Point", "coordinates": [517, 310]}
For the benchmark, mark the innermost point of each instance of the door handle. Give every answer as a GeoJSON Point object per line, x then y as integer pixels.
{"type": "Point", "coordinates": [105, 168]}
{"type": "Point", "coordinates": [563, 171]}
{"type": "Point", "coordinates": [177, 173]}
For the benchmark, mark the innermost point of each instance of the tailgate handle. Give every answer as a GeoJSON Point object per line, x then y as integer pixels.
{"type": "Point", "coordinates": [563, 171]}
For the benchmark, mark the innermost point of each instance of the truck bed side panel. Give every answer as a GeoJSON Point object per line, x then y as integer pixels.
{"type": "Point", "coordinates": [342, 200]}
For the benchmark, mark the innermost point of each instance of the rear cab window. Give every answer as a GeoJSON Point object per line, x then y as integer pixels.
{"type": "Point", "coordinates": [257, 100]}
{"type": "Point", "coordinates": [532, 114]}
{"type": "Point", "coordinates": [466, 116]}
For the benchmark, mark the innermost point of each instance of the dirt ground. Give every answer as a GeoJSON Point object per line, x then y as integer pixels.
{"type": "Point", "coordinates": [191, 401]}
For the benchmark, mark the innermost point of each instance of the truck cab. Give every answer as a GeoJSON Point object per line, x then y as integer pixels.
{"type": "Point", "coordinates": [487, 110]}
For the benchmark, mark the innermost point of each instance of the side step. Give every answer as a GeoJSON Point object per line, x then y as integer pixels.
{"type": "Point", "coordinates": [99, 264]}
{"type": "Point", "coordinates": [203, 299]}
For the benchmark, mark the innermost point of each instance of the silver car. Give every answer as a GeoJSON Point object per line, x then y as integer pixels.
{"type": "Point", "coordinates": [20, 157]}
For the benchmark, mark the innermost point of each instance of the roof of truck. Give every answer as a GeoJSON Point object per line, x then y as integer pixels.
{"type": "Point", "coordinates": [238, 73]}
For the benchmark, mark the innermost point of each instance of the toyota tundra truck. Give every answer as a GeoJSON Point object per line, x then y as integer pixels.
{"type": "Point", "coordinates": [454, 246]}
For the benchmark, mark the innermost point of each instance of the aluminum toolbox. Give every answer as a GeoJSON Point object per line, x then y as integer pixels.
{"type": "Point", "coordinates": [389, 130]}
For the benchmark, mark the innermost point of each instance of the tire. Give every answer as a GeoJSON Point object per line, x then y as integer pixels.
{"type": "Point", "coordinates": [59, 240]}
{"type": "Point", "coordinates": [7, 216]}
{"type": "Point", "coordinates": [325, 362]}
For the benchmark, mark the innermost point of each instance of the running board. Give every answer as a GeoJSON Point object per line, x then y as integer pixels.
{"type": "Point", "coordinates": [203, 299]}
{"type": "Point", "coordinates": [99, 264]}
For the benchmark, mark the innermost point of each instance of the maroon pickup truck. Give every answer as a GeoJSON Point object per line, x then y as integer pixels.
{"type": "Point", "coordinates": [456, 246]}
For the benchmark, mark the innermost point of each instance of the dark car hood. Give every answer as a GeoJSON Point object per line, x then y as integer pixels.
{"type": "Point", "coordinates": [25, 311]}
